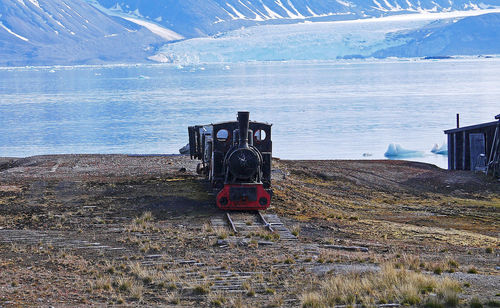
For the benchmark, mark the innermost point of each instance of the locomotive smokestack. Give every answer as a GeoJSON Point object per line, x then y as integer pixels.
{"type": "Point", "coordinates": [243, 118]}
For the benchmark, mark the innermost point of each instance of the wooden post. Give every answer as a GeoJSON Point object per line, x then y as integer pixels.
{"type": "Point", "coordinates": [458, 120]}
{"type": "Point", "coordinates": [464, 145]}
{"type": "Point", "coordinates": [455, 156]}
{"type": "Point", "coordinates": [450, 152]}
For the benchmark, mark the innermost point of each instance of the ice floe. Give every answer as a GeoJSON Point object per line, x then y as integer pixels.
{"type": "Point", "coordinates": [397, 151]}
{"type": "Point", "coordinates": [441, 150]}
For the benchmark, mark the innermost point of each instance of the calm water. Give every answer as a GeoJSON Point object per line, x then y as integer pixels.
{"type": "Point", "coordinates": [321, 110]}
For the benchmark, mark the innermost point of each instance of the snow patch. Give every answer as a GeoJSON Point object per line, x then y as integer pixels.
{"type": "Point", "coordinates": [258, 15]}
{"type": "Point", "coordinates": [379, 6]}
{"type": "Point", "coordinates": [136, 13]}
{"type": "Point", "coordinates": [311, 12]}
{"type": "Point", "coordinates": [271, 14]}
{"type": "Point", "coordinates": [13, 33]}
{"type": "Point", "coordinates": [293, 7]}
{"type": "Point", "coordinates": [35, 3]}
{"type": "Point", "coordinates": [344, 3]}
{"type": "Point", "coordinates": [230, 15]}
{"type": "Point", "coordinates": [162, 32]}
{"type": "Point", "coordinates": [241, 16]}
{"type": "Point", "coordinates": [288, 12]}
{"type": "Point", "coordinates": [165, 33]}
{"type": "Point", "coordinates": [391, 8]}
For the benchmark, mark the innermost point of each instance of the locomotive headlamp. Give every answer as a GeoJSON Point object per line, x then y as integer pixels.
{"type": "Point", "coordinates": [243, 163]}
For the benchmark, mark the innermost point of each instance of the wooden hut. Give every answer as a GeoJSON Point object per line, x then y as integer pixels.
{"type": "Point", "coordinates": [473, 147]}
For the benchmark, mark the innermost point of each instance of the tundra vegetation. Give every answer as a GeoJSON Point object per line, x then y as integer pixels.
{"type": "Point", "coordinates": [120, 230]}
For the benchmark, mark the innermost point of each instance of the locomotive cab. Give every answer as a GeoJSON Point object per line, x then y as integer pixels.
{"type": "Point", "coordinates": [236, 158]}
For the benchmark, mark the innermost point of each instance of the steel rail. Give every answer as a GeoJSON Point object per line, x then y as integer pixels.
{"type": "Point", "coordinates": [231, 223]}
{"type": "Point", "coordinates": [266, 224]}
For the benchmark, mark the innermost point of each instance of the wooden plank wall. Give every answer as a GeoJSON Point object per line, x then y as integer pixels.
{"type": "Point", "coordinates": [459, 147]}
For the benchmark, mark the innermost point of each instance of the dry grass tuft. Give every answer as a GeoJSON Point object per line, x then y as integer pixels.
{"type": "Point", "coordinates": [207, 228]}
{"type": "Point", "coordinates": [312, 300]}
{"type": "Point", "coordinates": [129, 286]}
{"type": "Point", "coordinates": [472, 270]}
{"type": "Point", "coordinates": [103, 283]}
{"type": "Point", "coordinates": [389, 285]}
{"type": "Point", "coordinates": [295, 230]}
{"type": "Point", "coordinates": [173, 298]}
{"type": "Point", "coordinates": [221, 232]}
{"type": "Point", "coordinates": [144, 218]}
{"type": "Point", "coordinates": [142, 223]}
{"type": "Point", "coordinates": [217, 299]}
{"type": "Point", "coordinates": [141, 273]}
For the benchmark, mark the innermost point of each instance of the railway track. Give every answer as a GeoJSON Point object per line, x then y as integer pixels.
{"type": "Point", "coordinates": [253, 222]}
{"type": "Point", "coordinates": [259, 216]}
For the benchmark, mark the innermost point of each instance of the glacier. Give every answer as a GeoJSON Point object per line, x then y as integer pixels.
{"type": "Point", "coordinates": [305, 41]}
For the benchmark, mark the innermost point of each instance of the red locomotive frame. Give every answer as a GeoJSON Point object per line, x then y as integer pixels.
{"type": "Point", "coordinates": [261, 201]}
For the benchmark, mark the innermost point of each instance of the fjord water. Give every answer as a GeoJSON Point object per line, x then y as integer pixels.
{"type": "Point", "coordinates": [319, 110]}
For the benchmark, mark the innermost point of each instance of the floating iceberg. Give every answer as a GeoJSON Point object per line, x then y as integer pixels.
{"type": "Point", "coordinates": [441, 150]}
{"type": "Point", "coordinates": [396, 151]}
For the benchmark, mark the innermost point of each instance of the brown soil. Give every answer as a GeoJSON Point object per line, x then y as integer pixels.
{"type": "Point", "coordinates": [139, 230]}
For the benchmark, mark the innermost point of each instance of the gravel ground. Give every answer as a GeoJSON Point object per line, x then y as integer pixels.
{"type": "Point", "coordinates": [141, 231]}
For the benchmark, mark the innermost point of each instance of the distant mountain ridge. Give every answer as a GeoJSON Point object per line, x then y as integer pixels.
{"type": "Point", "coordinates": [69, 32]}
{"type": "Point", "coordinates": [194, 18]}
{"type": "Point", "coordinates": [44, 32]}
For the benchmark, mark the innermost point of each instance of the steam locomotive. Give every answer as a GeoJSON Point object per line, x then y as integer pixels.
{"type": "Point", "coordinates": [236, 159]}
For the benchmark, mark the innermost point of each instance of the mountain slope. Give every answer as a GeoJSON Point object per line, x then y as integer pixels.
{"type": "Point", "coordinates": [473, 35]}
{"type": "Point", "coordinates": [43, 32]}
{"type": "Point", "coordinates": [194, 18]}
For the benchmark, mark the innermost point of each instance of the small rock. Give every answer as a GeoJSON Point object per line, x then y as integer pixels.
{"type": "Point", "coordinates": [182, 170]}
{"type": "Point", "coordinates": [222, 242]}
{"type": "Point", "coordinates": [242, 243]}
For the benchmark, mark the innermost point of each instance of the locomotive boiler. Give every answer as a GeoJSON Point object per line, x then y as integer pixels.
{"type": "Point", "coordinates": [236, 159]}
